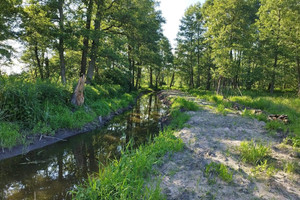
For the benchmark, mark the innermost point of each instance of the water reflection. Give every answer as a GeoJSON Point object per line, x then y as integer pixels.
{"type": "Point", "coordinates": [50, 172]}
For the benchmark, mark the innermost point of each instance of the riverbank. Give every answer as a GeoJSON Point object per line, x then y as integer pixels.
{"type": "Point", "coordinates": [128, 177]}
{"type": "Point", "coordinates": [39, 141]}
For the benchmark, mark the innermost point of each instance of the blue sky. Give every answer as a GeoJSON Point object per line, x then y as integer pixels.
{"type": "Point", "coordinates": [172, 11]}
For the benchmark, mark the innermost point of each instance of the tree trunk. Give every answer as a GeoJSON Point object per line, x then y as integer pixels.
{"type": "Point", "coordinates": [249, 81]}
{"type": "Point", "coordinates": [47, 68]}
{"type": "Point", "coordinates": [198, 61]}
{"type": "Point", "coordinates": [172, 79]}
{"type": "Point", "coordinates": [219, 85]}
{"type": "Point", "coordinates": [130, 66]}
{"type": "Point", "coordinates": [133, 74]}
{"type": "Point", "coordinates": [61, 42]}
{"type": "Point", "coordinates": [38, 61]}
{"type": "Point", "coordinates": [156, 80]}
{"type": "Point", "coordinates": [273, 74]}
{"type": "Point", "coordinates": [208, 78]}
{"type": "Point", "coordinates": [151, 77]}
{"type": "Point", "coordinates": [86, 38]}
{"type": "Point", "coordinates": [95, 44]}
{"type": "Point", "coordinates": [138, 78]}
{"type": "Point", "coordinates": [298, 69]}
{"type": "Point", "coordinates": [191, 73]}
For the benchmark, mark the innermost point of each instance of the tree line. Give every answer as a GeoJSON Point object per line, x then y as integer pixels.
{"type": "Point", "coordinates": [110, 41]}
{"type": "Point", "coordinates": [240, 43]}
{"type": "Point", "coordinates": [221, 45]}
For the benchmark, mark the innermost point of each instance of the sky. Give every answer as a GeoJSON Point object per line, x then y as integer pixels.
{"type": "Point", "coordinates": [173, 11]}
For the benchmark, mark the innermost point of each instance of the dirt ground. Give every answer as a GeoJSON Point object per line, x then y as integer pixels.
{"type": "Point", "coordinates": [212, 137]}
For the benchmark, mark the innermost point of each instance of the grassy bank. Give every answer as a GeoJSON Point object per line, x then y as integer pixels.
{"type": "Point", "coordinates": [273, 104]}
{"type": "Point", "coordinates": [127, 178]}
{"type": "Point", "coordinates": [34, 108]}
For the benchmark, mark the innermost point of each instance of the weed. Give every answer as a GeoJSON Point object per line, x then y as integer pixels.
{"type": "Point", "coordinates": [291, 167]}
{"type": "Point", "coordinates": [220, 170]}
{"type": "Point", "coordinates": [254, 153]}
{"type": "Point", "coordinates": [221, 109]}
{"type": "Point", "coordinates": [264, 168]}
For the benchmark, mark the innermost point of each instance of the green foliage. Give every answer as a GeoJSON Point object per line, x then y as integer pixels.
{"type": "Point", "coordinates": [221, 109]}
{"type": "Point", "coordinates": [220, 170]}
{"type": "Point", "coordinates": [264, 168]}
{"type": "Point", "coordinates": [260, 100]}
{"type": "Point", "coordinates": [181, 103]}
{"type": "Point", "coordinates": [178, 117]}
{"type": "Point", "coordinates": [254, 153]}
{"type": "Point", "coordinates": [44, 107]}
{"type": "Point", "coordinates": [274, 125]}
{"type": "Point", "coordinates": [9, 134]}
{"type": "Point", "coordinates": [125, 179]}
{"type": "Point", "coordinates": [24, 101]}
{"type": "Point", "coordinates": [291, 167]}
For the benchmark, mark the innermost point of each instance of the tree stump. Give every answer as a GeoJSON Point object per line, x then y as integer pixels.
{"type": "Point", "coordinates": [78, 97]}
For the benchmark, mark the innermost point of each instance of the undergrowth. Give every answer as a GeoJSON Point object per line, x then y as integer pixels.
{"type": "Point", "coordinates": [127, 178]}
{"type": "Point", "coordinates": [41, 107]}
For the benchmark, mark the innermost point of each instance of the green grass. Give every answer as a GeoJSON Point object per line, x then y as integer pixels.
{"type": "Point", "coordinates": [264, 168]}
{"type": "Point", "coordinates": [220, 170]}
{"type": "Point", "coordinates": [181, 103]}
{"type": "Point", "coordinates": [291, 167]}
{"type": "Point", "coordinates": [278, 103]}
{"type": "Point", "coordinates": [128, 178]}
{"type": "Point", "coordinates": [178, 117]}
{"type": "Point", "coordinates": [40, 107]}
{"type": "Point", "coordinates": [9, 134]}
{"type": "Point", "coordinates": [254, 153]}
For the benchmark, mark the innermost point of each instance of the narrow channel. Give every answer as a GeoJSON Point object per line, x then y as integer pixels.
{"type": "Point", "coordinates": [50, 172]}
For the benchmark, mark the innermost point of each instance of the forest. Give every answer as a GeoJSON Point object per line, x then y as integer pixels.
{"type": "Point", "coordinates": [228, 52]}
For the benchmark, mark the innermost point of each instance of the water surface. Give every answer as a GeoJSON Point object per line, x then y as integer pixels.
{"type": "Point", "coordinates": [50, 172]}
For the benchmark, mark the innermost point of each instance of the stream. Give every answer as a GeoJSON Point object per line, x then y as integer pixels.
{"type": "Point", "coordinates": [50, 172]}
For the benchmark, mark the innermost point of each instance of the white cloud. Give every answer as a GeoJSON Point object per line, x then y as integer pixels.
{"type": "Point", "coordinates": [173, 11]}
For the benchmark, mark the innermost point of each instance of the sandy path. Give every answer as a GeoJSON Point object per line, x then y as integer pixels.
{"type": "Point", "coordinates": [211, 137]}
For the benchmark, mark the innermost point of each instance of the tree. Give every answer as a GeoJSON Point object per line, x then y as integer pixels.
{"type": "Point", "coordinates": [229, 26]}
{"type": "Point", "coordinates": [190, 42]}
{"type": "Point", "coordinates": [9, 21]}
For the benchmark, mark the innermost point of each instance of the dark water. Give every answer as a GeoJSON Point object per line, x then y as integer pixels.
{"type": "Point", "coordinates": [51, 172]}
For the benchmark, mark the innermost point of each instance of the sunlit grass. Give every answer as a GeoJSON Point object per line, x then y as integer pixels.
{"type": "Point", "coordinates": [220, 170]}
{"type": "Point", "coordinates": [253, 153]}
{"type": "Point", "coordinates": [128, 177]}
{"type": "Point", "coordinates": [276, 104]}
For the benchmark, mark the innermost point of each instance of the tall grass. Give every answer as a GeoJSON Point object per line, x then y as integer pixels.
{"type": "Point", "coordinates": [127, 178]}
{"type": "Point", "coordinates": [40, 107]}
{"type": "Point", "coordinates": [254, 153]}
